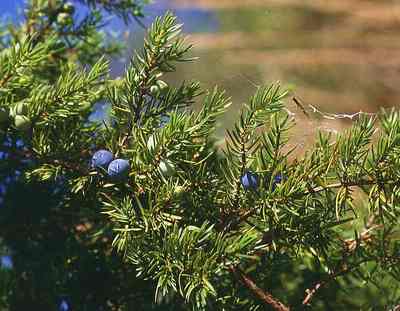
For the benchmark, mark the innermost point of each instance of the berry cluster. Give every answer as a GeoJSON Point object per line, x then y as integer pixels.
{"type": "Point", "coordinates": [159, 88]}
{"type": "Point", "coordinates": [117, 169]}
{"type": "Point", "coordinates": [18, 115]}
{"type": "Point", "coordinates": [250, 181]}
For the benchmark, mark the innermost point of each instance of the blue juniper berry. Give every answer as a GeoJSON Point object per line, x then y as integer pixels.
{"type": "Point", "coordinates": [164, 119]}
{"type": "Point", "coordinates": [6, 262]}
{"type": "Point", "coordinates": [118, 169]}
{"type": "Point", "coordinates": [277, 179]}
{"type": "Point", "coordinates": [64, 306]}
{"type": "Point", "coordinates": [249, 180]}
{"type": "Point", "coordinates": [101, 159]}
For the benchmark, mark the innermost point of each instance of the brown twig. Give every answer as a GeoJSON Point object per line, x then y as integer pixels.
{"type": "Point", "coordinates": [5, 79]}
{"type": "Point", "coordinates": [299, 105]}
{"type": "Point", "coordinates": [332, 276]}
{"type": "Point", "coordinates": [311, 292]}
{"type": "Point", "coordinates": [266, 297]}
{"type": "Point", "coordinates": [350, 246]}
{"type": "Point", "coordinates": [365, 236]}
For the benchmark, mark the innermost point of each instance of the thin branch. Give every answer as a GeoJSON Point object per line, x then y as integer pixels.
{"type": "Point", "coordinates": [299, 105]}
{"type": "Point", "coordinates": [350, 246]}
{"type": "Point", "coordinates": [264, 296]}
{"type": "Point", "coordinates": [5, 79]}
{"type": "Point", "coordinates": [332, 276]}
{"type": "Point", "coordinates": [329, 116]}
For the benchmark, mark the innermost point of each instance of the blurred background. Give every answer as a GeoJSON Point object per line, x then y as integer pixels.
{"type": "Point", "coordinates": [341, 56]}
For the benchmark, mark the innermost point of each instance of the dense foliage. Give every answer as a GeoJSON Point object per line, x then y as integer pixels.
{"type": "Point", "coordinates": [143, 211]}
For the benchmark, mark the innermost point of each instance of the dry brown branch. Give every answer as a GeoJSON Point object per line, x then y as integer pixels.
{"type": "Point", "coordinates": [350, 246]}
{"type": "Point", "coordinates": [320, 284]}
{"type": "Point", "coordinates": [264, 296]}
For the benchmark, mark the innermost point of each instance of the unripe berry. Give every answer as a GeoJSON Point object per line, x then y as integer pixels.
{"type": "Point", "coordinates": [118, 169]}
{"type": "Point", "coordinates": [19, 109]}
{"type": "Point", "coordinates": [83, 107]}
{"type": "Point", "coordinates": [69, 8]}
{"type": "Point", "coordinates": [64, 19]}
{"type": "Point", "coordinates": [101, 159]}
{"type": "Point", "coordinates": [166, 168]}
{"type": "Point", "coordinates": [154, 90]}
{"type": "Point", "coordinates": [249, 180]}
{"type": "Point", "coordinates": [159, 88]}
{"type": "Point", "coordinates": [22, 123]}
{"type": "Point", "coordinates": [162, 86]}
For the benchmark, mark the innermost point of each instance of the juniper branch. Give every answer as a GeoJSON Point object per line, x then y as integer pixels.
{"type": "Point", "coordinates": [264, 296]}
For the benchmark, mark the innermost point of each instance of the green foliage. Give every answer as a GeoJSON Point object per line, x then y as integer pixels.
{"type": "Point", "coordinates": [192, 237]}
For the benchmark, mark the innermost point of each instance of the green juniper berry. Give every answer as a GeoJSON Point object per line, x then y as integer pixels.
{"type": "Point", "coordinates": [22, 123]}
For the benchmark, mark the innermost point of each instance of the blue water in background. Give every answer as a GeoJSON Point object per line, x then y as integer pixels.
{"type": "Point", "coordinates": [194, 19]}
